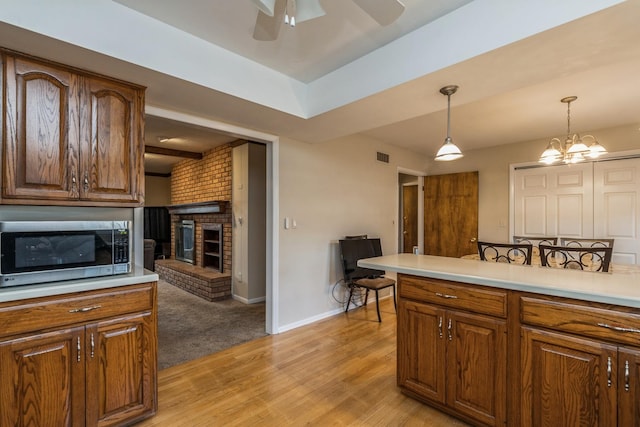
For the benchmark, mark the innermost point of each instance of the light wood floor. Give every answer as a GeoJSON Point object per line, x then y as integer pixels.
{"type": "Point", "coordinates": [339, 371]}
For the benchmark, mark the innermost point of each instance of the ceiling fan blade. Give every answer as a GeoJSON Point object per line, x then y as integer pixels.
{"type": "Point", "coordinates": [265, 6]}
{"type": "Point", "coordinates": [267, 27]}
{"type": "Point", "coordinates": [308, 9]}
{"type": "Point", "coordinates": [383, 11]}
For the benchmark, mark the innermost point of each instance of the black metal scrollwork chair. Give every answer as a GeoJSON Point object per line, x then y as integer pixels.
{"type": "Point", "coordinates": [354, 249]}
{"type": "Point", "coordinates": [577, 258]}
{"type": "Point", "coordinates": [512, 253]}
{"type": "Point", "coordinates": [586, 243]}
{"type": "Point", "coordinates": [536, 242]}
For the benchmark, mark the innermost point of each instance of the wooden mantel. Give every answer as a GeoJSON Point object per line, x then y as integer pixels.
{"type": "Point", "coordinates": [215, 206]}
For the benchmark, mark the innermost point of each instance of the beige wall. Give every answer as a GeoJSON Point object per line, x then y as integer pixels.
{"type": "Point", "coordinates": [157, 191]}
{"type": "Point", "coordinates": [331, 189]}
{"type": "Point", "coordinates": [493, 165]}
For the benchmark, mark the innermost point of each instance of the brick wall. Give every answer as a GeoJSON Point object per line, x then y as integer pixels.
{"type": "Point", "coordinates": [205, 180]}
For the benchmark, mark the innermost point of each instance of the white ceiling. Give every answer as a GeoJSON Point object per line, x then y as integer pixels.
{"type": "Point", "coordinates": [343, 74]}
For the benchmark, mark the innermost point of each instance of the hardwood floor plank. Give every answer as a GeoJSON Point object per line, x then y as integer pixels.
{"type": "Point", "coordinates": [340, 371]}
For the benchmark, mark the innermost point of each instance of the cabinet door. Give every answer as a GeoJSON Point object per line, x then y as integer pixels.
{"type": "Point", "coordinates": [567, 381]}
{"type": "Point", "coordinates": [111, 149]}
{"type": "Point", "coordinates": [42, 379]}
{"type": "Point", "coordinates": [41, 131]}
{"type": "Point", "coordinates": [477, 366]}
{"type": "Point", "coordinates": [421, 349]}
{"type": "Point", "coordinates": [628, 387]}
{"type": "Point", "coordinates": [121, 370]}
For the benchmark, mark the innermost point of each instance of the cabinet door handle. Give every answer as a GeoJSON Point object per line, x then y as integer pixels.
{"type": "Point", "coordinates": [449, 330]}
{"type": "Point", "coordinates": [619, 328]}
{"type": "Point", "coordinates": [86, 182]}
{"type": "Point", "coordinates": [93, 345]}
{"type": "Point", "coordinates": [85, 309]}
{"type": "Point", "coordinates": [438, 294]}
{"type": "Point", "coordinates": [78, 348]}
{"type": "Point", "coordinates": [73, 180]}
{"type": "Point", "coordinates": [626, 375]}
{"type": "Point", "coordinates": [609, 371]}
{"type": "Point", "coordinates": [440, 327]}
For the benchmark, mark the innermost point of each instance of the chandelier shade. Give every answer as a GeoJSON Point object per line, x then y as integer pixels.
{"type": "Point", "coordinates": [573, 149]}
{"type": "Point", "coordinates": [448, 151]}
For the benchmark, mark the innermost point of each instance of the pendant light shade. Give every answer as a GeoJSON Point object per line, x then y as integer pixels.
{"type": "Point", "coordinates": [449, 150]}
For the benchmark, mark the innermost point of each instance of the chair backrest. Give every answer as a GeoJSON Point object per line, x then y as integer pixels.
{"type": "Point", "coordinates": [512, 253]}
{"type": "Point", "coordinates": [536, 241]}
{"type": "Point", "coordinates": [586, 243]}
{"type": "Point", "coordinates": [352, 250]}
{"type": "Point", "coordinates": [577, 258]}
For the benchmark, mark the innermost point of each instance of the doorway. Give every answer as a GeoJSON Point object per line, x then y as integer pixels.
{"type": "Point", "coordinates": [410, 206]}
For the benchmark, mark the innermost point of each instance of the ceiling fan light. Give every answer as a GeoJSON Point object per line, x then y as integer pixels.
{"type": "Point", "coordinates": [449, 151]}
{"type": "Point", "coordinates": [265, 6]}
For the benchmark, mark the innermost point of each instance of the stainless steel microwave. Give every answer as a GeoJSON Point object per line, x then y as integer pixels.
{"type": "Point", "coordinates": [47, 251]}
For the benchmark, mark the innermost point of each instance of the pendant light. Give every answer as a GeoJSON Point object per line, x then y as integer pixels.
{"type": "Point", "coordinates": [449, 150]}
{"type": "Point", "coordinates": [573, 150]}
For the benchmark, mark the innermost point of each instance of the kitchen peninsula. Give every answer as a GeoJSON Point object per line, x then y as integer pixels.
{"type": "Point", "coordinates": [499, 344]}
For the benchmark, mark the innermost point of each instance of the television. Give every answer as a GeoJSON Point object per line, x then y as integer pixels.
{"type": "Point", "coordinates": [352, 250]}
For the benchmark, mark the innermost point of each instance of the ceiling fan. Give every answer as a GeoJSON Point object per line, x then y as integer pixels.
{"type": "Point", "coordinates": [273, 13]}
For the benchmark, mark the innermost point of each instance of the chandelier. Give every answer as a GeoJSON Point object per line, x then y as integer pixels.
{"type": "Point", "coordinates": [448, 151]}
{"type": "Point", "coordinates": [574, 149]}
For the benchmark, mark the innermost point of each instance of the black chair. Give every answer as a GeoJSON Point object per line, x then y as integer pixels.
{"type": "Point", "coordinates": [577, 258]}
{"type": "Point", "coordinates": [586, 243]}
{"type": "Point", "coordinates": [511, 253]}
{"type": "Point", "coordinates": [354, 249]}
{"type": "Point", "coordinates": [536, 241]}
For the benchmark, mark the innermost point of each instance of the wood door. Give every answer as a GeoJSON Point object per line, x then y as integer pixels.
{"type": "Point", "coordinates": [121, 370]}
{"type": "Point", "coordinates": [41, 131]}
{"type": "Point", "coordinates": [567, 381]}
{"type": "Point", "coordinates": [421, 350]}
{"type": "Point", "coordinates": [112, 142]}
{"type": "Point", "coordinates": [451, 214]}
{"type": "Point", "coordinates": [409, 218]}
{"type": "Point", "coordinates": [629, 387]}
{"type": "Point", "coordinates": [43, 380]}
{"type": "Point", "coordinates": [477, 367]}
{"type": "Point", "coordinates": [616, 206]}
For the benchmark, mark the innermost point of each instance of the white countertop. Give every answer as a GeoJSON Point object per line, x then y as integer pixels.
{"type": "Point", "coordinates": [610, 288]}
{"type": "Point", "coordinates": [15, 293]}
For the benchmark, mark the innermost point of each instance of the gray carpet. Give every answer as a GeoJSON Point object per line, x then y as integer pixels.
{"type": "Point", "coordinates": [190, 327]}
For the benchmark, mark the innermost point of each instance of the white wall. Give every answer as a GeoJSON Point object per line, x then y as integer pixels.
{"type": "Point", "coordinates": [493, 165]}
{"type": "Point", "coordinates": [331, 189]}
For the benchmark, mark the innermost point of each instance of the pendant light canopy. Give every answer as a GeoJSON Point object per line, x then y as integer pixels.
{"type": "Point", "coordinates": [449, 150]}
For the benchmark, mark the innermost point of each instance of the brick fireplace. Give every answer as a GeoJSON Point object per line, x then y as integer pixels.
{"type": "Point", "coordinates": [201, 192]}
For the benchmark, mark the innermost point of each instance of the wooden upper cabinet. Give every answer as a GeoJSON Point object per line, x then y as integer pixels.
{"type": "Point", "coordinates": [111, 136]}
{"type": "Point", "coordinates": [70, 137]}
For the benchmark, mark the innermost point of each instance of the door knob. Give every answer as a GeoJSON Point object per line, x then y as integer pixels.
{"type": "Point", "coordinates": [473, 240]}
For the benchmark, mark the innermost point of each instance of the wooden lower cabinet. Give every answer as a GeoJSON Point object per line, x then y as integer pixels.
{"type": "Point", "coordinates": [495, 357]}
{"type": "Point", "coordinates": [455, 359]}
{"type": "Point", "coordinates": [101, 372]}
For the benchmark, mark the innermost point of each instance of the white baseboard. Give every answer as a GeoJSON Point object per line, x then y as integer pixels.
{"type": "Point", "coordinates": [249, 301]}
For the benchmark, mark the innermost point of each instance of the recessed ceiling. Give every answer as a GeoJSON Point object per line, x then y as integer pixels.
{"type": "Point", "coordinates": [343, 74]}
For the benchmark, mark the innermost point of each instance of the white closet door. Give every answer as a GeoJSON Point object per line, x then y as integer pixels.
{"type": "Point", "coordinates": [554, 201]}
{"type": "Point", "coordinates": [617, 207]}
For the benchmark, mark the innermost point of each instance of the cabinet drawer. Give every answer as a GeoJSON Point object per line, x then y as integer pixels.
{"type": "Point", "coordinates": [596, 322]}
{"type": "Point", "coordinates": [49, 312]}
{"type": "Point", "coordinates": [453, 294]}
